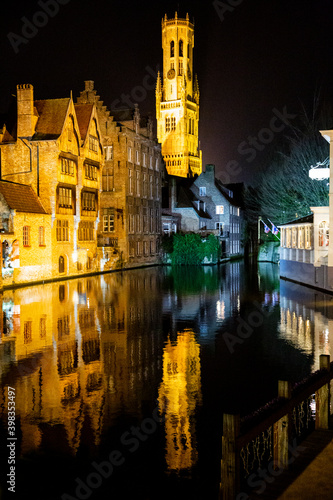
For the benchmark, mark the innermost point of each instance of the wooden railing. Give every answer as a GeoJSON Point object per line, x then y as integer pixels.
{"type": "Point", "coordinates": [267, 438]}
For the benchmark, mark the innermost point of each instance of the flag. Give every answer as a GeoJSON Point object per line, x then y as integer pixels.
{"type": "Point", "coordinates": [274, 229]}
{"type": "Point", "coordinates": [266, 228]}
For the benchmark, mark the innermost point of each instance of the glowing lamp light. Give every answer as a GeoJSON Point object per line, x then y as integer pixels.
{"type": "Point", "coordinates": [319, 173]}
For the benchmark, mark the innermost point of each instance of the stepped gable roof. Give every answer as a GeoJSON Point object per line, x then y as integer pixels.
{"type": "Point", "coordinates": [51, 117]}
{"type": "Point", "coordinates": [307, 219]}
{"type": "Point", "coordinates": [123, 114]}
{"type": "Point", "coordinates": [83, 114]}
{"type": "Point", "coordinates": [21, 197]}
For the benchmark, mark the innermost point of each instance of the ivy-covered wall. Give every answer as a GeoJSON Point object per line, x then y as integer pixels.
{"type": "Point", "coordinates": [191, 249]}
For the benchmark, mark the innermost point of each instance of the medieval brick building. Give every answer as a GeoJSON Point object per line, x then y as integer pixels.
{"type": "Point", "coordinates": [55, 147]}
{"type": "Point", "coordinates": [130, 223]}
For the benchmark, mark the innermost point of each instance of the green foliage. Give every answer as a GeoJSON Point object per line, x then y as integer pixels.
{"type": "Point", "coordinates": [191, 249]}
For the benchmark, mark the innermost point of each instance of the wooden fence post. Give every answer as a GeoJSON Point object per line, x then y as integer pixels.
{"type": "Point", "coordinates": [282, 430]}
{"type": "Point", "coordinates": [323, 397]}
{"type": "Point", "coordinates": [229, 486]}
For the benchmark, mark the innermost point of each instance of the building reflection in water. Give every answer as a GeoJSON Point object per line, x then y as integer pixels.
{"type": "Point", "coordinates": [306, 320]}
{"type": "Point", "coordinates": [78, 353]}
{"type": "Point", "coordinates": [179, 397]}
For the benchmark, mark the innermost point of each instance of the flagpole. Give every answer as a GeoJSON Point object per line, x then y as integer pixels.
{"type": "Point", "coordinates": [273, 225]}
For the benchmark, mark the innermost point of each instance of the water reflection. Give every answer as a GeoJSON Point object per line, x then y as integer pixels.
{"type": "Point", "coordinates": [179, 396]}
{"type": "Point", "coordinates": [89, 357]}
{"type": "Point", "coordinates": [306, 320]}
{"type": "Point", "coordinates": [79, 352]}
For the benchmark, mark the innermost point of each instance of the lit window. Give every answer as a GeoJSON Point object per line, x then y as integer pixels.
{"type": "Point", "coordinates": [108, 153]}
{"type": "Point", "coordinates": [137, 157]}
{"type": "Point", "coordinates": [93, 143]}
{"type": "Point", "coordinates": [129, 154]}
{"type": "Point", "coordinates": [65, 197]}
{"type": "Point", "coordinates": [67, 166]}
{"type": "Point", "coordinates": [90, 172]}
{"type": "Point", "coordinates": [288, 237]}
{"type": "Point", "coordinates": [301, 234]}
{"type": "Point", "coordinates": [26, 236]}
{"type": "Point", "coordinates": [219, 209]}
{"type": "Point", "coordinates": [308, 237]}
{"type": "Point", "coordinates": [202, 191]}
{"type": "Point", "coordinates": [86, 231]}
{"type": "Point", "coordinates": [62, 230]}
{"type": "Point", "coordinates": [88, 201]}
{"type": "Point", "coordinates": [108, 223]}
{"type": "Point", "coordinates": [167, 123]}
{"type": "Point", "coordinates": [172, 49]}
{"type": "Point", "coordinates": [294, 237]}
{"type": "Point", "coordinates": [181, 48]}
{"type": "Point", "coordinates": [323, 234]}
{"type": "Point", "coordinates": [41, 236]}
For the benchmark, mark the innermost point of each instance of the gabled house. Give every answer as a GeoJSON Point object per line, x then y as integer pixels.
{"type": "Point", "coordinates": [56, 149]}
{"type": "Point", "coordinates": [206, 206]}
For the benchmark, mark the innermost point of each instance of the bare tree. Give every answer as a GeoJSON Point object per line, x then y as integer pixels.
{"type": "Point", "coordinates": [287, 192]}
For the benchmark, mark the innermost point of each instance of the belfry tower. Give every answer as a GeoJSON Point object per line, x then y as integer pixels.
{"type": "Point", "coordinates": [177, 100]}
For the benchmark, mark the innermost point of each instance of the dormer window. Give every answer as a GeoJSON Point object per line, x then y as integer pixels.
{"type": "Point", "coordinates": [93, 144]}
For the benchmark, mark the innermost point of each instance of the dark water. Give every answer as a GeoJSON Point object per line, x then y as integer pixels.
{"type": "Point", "coordinates": [121, 380]}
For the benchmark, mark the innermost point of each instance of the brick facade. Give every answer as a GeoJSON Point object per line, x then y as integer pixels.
{"type": "Point", "coordinates": [130, 222]}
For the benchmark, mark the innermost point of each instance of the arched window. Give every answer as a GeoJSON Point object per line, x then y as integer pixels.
{"type": "Point", "coordinates": [181, 48]}
{"type": "Point", "coordinates": [323, 234]}
{"type": "Point", "coordinates": [188, 50]}
{"type": "Point", "coordinates": [61, 264]}
{"type": "Point", "coordinates": [172, 49]}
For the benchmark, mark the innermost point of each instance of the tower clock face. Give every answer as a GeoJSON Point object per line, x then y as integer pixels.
{"type": "Point", "coordinates": [171, 74]}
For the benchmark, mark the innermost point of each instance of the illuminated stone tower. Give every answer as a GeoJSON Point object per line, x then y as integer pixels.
{"type": "Point", "coordinates": [177, 100]}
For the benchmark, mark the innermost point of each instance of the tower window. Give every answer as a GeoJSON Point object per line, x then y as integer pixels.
{"type": "Point", "coordinates": [188, 50]}
{"type": "Point", "coordinates": [180, 67]}
{"type": "Point", "coordinates": [172, 49]}
{"type": "Point", "coordinates": [173, 123]}
{"type": "Point", "coordinates": [181, 48]}
{"type": "Point", "coordinates": [167, 123]}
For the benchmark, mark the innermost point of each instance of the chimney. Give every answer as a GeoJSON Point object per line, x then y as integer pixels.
{"type": "Point", "coordinates": [210, 172]}
{"type": "Point", "coordinates": [26, 119]}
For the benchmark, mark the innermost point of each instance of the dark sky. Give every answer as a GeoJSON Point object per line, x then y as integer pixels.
{"type": "Point", "coordinates": [254, 60]}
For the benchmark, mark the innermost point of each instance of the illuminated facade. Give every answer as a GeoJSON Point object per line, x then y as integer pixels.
{"type": "Point", "coordinates": [131, 198]}
{"type": "Point", "coordinates": [55, 147]}
{"type": "Point", "coordinates": [177, 100]}
{"type": "Point", "coordinates": [305, 247]}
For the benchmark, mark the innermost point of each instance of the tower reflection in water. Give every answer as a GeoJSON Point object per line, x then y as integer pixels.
{"type": "Point", "coordinates": [179, 396]}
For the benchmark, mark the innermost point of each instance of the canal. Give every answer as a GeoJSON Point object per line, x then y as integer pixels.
{"type": "Point", "coordinates": [120, 381]}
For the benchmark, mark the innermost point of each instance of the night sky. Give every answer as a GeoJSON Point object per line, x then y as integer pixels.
{"type": "Point", "coordinates": [253, 58]}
